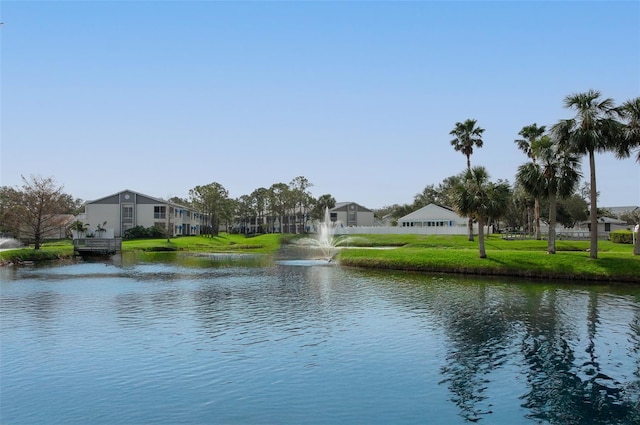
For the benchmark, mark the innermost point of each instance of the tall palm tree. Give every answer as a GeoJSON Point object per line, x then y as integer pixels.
{"type": "Point", "coordinates": [467, 135]}
{"type": "Point", "coordinates": [593, 129]}
{"type": "Point", "coordinates": [630, 111]}
{"type": "Point", "coordinates": [530, 136]}
{"type": "Point", "coordinates": [557, 172]}
{"type": "Point", "coordinates": [475, 196]}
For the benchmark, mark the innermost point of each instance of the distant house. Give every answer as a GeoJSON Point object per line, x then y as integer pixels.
{"type": "Point", "coordinates": [351, 214]}
{"type": "Point", "coordinates": [127, 209]}
{"type": "Point", "coordinates": [606, 225]}
{"type": "Point", "coordinates": [435, 219]}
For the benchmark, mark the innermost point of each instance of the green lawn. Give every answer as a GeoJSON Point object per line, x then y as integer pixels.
{"type": "Point", "coordinates": [222, 243]}
{"type": "Point", "coordinates": [455, 254]}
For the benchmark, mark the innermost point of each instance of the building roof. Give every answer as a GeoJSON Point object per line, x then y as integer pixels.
{"type": "Point", "coordinates": [622, 210]}
{"type": "Point", "coordinates": [341, 206]}
{"type": "Point", "coordinates": [156, 200]}
{"type": "Point", "coordinates": [606, 220]}
{"type": "Point", "coordinates": [427, 212]}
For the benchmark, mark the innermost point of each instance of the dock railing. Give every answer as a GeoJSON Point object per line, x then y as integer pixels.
{"type": "Point", "coordinates": [97, 245]}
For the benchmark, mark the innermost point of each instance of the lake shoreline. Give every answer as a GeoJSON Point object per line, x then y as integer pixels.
{"type": "Point", "coordinates": [451, 255]}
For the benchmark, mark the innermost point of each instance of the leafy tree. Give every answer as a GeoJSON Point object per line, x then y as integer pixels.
{"type": "Point", "coordinates": [517, 213]}
{"type": "Point", "coordinates": [466, 136]}
{"type": "Point", "coordinates": [477, 197]}
{"type": "Point", "coordinates": [300, 199]}
{"type": "Point", "coordinates": [35, 209]}
{"type": "Point", "coordinates": [213, 201]}
{"type": "Point", "coordinates": [446, 190]}
{"type": "Point", "coordinates": [631, 217]}
{"type": "Point", "coordinates": [279, 201]}
{"type": "Point", "coordinates": [244, 213]}
{"type": "Point", "coordinates": [593, 129]}
{"type": "Point", "coordinates": [9, 224]}
{"type": "Point", "coordinates": [429, 195]}
{"type": "Point", "coordinates": [323, 203]}
{"type": "Point", "coordinates": [571, 210]}
{"type": "Point", "coordinates": [70, 205]}
{"type": "Point", "coordinates": [259, 200]}
{"type": "Point", "coordinates": [499, 199]}
{"type": "Point", "coordinates": [179, 201]}
{"type": "Point", "coordinates": [531, 135]}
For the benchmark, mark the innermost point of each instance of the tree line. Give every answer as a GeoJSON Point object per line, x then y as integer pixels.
{"type": "Point", "coordinates": [545, 188]}
{"type": "Point", "coordinates": [40, 205]}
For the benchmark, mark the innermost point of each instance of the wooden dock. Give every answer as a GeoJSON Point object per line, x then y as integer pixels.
{"type": "Point", "coordinates": [97, 246]}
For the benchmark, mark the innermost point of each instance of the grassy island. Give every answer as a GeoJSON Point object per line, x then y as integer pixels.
{"type": "Point", "coordinates": [520, 258]}
{"type": "Point", "coordinates": [447, 254]}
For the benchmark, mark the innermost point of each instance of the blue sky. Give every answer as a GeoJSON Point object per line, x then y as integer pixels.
{"type": "Point", "coordinates": [358, 97]}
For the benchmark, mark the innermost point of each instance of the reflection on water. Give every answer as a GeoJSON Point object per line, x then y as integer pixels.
{"type": "Point", "coordinates": [176, 338]}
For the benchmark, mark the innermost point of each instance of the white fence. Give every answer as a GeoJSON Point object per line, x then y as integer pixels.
{"type": "Point", "coordinates": [401, 230]}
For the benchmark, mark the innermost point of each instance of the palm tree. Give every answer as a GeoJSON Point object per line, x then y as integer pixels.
{"type": "Point", "coordinates": [630, 111]}
{"type": "Point", "coordinates": [79, 227]}
{"type": "Point", "coordinates": [467, 135]}
{"type": "Point", "coordinates": [475, 196]}
{"type": "Point", "coordinates": [531, 134]}
{"type": "Point", "coordinates": [557, 172]}
{"type": "Point", "coordinates": [593, 129]}
{"type": "Point", "coordinates": [500, 194]}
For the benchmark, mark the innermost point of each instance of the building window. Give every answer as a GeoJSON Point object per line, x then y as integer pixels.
{"type": "Point", "coordinates": [159, 212]}
{"type": "Point", "coordinates": [127, 212]}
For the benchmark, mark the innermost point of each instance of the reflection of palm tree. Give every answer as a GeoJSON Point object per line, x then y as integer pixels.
{"type": "Point", "coordinates": [550, 358]}
{"type": "Point", "coordinates": [479, 339]}
{"type": "Point", "coordinates": [562, 391]}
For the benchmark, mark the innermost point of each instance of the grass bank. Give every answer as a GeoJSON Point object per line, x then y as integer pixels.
{"type": "Point", "coordinates": [523, 258]}
{"type": "Point", "coordinates": [222, 243]}
{"type": "Point", "coordinates": [55, 250]}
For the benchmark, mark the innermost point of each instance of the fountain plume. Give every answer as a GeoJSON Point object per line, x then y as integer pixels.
{"type": "Point", "coordinates": [324, 239]}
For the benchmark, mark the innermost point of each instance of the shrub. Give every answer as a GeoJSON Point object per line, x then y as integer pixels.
{"type": "Point", "coordinates": [622, 236]}
{"type": "Point", "coordinates": [140, 232]}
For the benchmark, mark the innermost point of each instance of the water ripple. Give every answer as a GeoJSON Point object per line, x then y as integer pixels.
{"type": "Point", "coordinates": [165, 343]}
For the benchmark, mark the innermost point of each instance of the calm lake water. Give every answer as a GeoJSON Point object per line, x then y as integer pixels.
{"type": "Point", "coordinates": [249, 340]}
